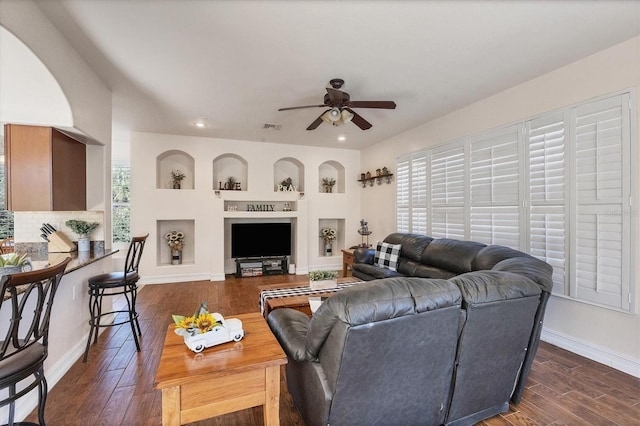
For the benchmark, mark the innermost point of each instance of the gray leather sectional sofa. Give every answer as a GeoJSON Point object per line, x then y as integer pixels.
{"type": "Point", "coordinates": [448, 338]}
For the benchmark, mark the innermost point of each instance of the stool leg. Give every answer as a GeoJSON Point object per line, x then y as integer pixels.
{"type": "Point", "coordinates": [93, 300]}
{"type": "Point", "coordinates": [42, 396]}
{"type": "Point", "coordinates": [12, 404]}
{"type": "Point", "coordinates": [130, 298]}
{"type": "Point", "coordinates": [134, 297]}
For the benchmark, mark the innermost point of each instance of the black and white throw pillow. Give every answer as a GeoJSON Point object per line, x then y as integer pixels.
{"type": "Point", "coordinates": [387, 255]}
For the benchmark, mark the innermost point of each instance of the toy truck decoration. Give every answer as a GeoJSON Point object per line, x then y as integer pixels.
{"type": "Point", "coordinates": [204, 329]}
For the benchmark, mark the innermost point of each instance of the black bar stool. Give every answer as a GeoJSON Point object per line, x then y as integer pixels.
{"type": "Point", "coordinates": [113, 284]}
{"type": "Point", "coordinates": [24, 347]}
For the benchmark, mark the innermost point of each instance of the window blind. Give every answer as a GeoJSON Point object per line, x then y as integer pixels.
{"type": "Point", "coordinates": [557, 186]}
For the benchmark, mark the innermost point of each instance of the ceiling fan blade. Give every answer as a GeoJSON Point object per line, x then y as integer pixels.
{"type": "Point", "coordinates": [373, 104]}
{"type": "Point", "coordinates": [359, 121]}
{"type": "Point", "coordinates": [300, 107]}
{"type": "Point", "coordinates": [317, 122]}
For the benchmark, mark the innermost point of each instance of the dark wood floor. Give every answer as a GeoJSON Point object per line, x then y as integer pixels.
{"type": "Point", "coordinates": [115, 387]}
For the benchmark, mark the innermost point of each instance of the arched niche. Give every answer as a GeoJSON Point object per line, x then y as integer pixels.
{"type": "Point", "coordinates": [228, 166]}
{"type": "Point", "coordinates": [331, 170]}
{"type": "Point", "coordinates": [174, 160]}
{"type": "Point", "coordinates": [286, 168]}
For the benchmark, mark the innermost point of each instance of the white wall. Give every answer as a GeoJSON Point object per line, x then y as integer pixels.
{"type": "Point", "coordinates": [152, 201]}
{"type": "Point", "coordinates": [45, 82]}
{"type": "Point", "coordinates": [605, 335]}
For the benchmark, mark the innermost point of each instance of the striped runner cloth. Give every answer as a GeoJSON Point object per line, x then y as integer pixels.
{"type": "Point", "coordinates": [299, 291]}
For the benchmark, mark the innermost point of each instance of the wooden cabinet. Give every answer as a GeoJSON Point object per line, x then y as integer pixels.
{"type": "Point", "coordinates": [45, 170]}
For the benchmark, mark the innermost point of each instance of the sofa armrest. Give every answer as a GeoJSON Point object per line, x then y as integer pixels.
{"type": "Point", "coordinates": [364, 255]}
{"type": "Point", "coordinates": [290, 328]}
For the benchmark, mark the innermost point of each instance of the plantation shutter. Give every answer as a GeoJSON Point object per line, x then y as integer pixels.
{"type": "Point", "coordinates": [402, 195]}
{"type": "Point", "coordinates": [545, 140]}
{"type": "Point", "coordinates": [419, 194]}
{"type": "Point", "coordinates": [494, 182]}
{"type": "Point", "coordinates": [448, 192]}
{"type": "Point", "coordinates": [602, 164]}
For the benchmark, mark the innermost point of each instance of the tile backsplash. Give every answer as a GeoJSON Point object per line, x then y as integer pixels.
{"type": "Point", "coordinates": [27, 224]}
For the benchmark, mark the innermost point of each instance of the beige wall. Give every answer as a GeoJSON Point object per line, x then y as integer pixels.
{"type": "Point", "coordinates": [608, 336]}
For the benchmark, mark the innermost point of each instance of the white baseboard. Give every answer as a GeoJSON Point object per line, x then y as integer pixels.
{"type": "Point", "coordinates": [165, 279]}
{"type": "Point", "coordinates": [592, 352]}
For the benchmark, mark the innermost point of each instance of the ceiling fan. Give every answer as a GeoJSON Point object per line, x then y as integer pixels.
{"type": "Point", "coordinates": [340, 107]}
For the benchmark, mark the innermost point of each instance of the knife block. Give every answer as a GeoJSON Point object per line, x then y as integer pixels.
{"type": "Point", "coordinates": [60, 243]}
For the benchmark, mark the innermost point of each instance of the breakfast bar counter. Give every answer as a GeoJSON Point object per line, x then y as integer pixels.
{"type": "Point", "coordinates": [69, 327]}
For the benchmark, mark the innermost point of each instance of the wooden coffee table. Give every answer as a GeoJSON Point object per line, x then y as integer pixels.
{"type": "Point", "coordinates": [222, 379]}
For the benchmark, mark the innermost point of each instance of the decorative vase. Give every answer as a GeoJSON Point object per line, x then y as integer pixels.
{"type": "Point", "coordinates": [328, 188]}
{"type": "Point", "coordinates": [328, 249]}
{"type": "Point", "coordinates": [176, 184]}
{"type": "Point", "coordinates": [84, 244]}
{"type": "Point", "coordinates": [176, 257]}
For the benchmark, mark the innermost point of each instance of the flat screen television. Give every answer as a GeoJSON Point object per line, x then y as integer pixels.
{"type": "Point", "coordinates": [260, 239]}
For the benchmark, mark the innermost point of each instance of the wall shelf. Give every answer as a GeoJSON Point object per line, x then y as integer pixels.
{"type": "Point", "coordinates": [379, 179]}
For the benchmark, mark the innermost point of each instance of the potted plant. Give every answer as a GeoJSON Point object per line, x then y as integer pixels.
{"type": "Point", "coordinates": [319, 280]}
{"type": "Point", "coordinates": [12, 263]}
{"type": "Point", "coordinates": [83, 229]}
{"type": "Point", "coordinates": [177, 176]}
{"type": "Point", "coordinates": [175, 240]}
{"type": "Point", "coordinates": [328, 183]}
{"type": "Point", "coordinates": [328, 236]}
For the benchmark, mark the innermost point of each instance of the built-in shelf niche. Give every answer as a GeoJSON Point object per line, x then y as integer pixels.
{"type": "Point", "coordinates": [187, 226]}
{"type": "Point", "coordinates": [338, 244]}
{"type": "Point", "coordinates": [230, 165]}
{"type": "Point", "coordinates": [174, 160]}
{"type": "Point", "coordinates": [288, 168]}
{"type": "Point", "coordinates": [331, 170]}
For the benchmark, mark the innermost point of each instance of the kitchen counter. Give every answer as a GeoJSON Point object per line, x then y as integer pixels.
{"type": "Point", "coordinates": [78, 260]}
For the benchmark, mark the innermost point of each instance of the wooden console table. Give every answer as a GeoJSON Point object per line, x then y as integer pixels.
{"type": "Point", "coordinates": [347, 260]}
{"type": "Point", "coordinates": [223, 378]}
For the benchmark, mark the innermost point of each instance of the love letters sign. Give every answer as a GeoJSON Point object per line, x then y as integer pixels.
{"type": "Point", "coordinates": [235, 186]}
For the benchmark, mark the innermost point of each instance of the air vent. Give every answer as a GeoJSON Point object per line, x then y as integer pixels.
{"type": "Point", "coordinates": [272, 126]}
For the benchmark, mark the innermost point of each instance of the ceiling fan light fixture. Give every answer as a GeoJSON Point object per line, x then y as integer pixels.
{"type": "Point", "coordinates": [334, 114]}
{"type": "Point", "coordinates": [346, 116]}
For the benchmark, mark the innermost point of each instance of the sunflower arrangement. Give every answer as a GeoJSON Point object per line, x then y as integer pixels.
{"type": "Point", "coordinates": [202, 321]}
{"type": "Point", "coordinates": [328, 235]}
{"type": "Point", "coordinates": [175, 239]}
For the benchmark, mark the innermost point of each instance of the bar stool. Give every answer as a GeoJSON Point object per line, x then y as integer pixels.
{"type": "Point", "coordinates": [28, 298]}
{"type": "Point", "coordinates": [113, 284]}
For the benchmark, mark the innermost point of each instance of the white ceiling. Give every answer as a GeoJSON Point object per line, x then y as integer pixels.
{"type": "Point", "coordinates": [170, 62]}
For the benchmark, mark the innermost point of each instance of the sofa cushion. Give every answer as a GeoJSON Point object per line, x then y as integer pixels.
{"type": "Point", "coordinates": [452, 255]}
{"type": "Point", "coordinates": [387, 255]}
{"type": "Point", "coordinates": [377, 301]}
{"type": "Point", "coordinates": [373, 272]}
{"type": "Point", "coordinates": [491, 286]}
{"type": "Point", "coordinates": [413, 245]}
{"type": "Point", "coordinates": [535, 269]}
{"type": "Point", "coordinates": [489, 256]}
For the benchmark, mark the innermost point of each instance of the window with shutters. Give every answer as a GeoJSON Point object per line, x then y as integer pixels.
{"type": "Point", "coordinates": [557, 186]}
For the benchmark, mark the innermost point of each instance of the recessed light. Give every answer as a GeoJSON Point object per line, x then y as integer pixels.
{"type": "Point", "coordinates": [342, 138]}
{"type": "Point", "coordinates": [201, 123]}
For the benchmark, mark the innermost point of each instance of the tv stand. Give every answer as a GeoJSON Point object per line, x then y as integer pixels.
{"type": "Point", "coordinates": [258, 266]}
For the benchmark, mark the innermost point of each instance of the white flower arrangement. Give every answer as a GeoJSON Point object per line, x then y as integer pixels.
{"type": "Point", "coordinates": [175, 239]}
{"type": "Point", "coordinates": [328, 234]}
